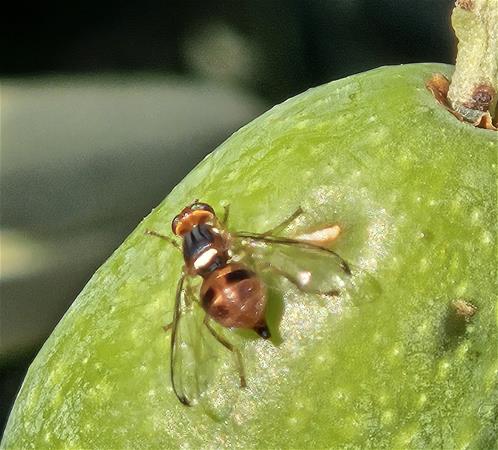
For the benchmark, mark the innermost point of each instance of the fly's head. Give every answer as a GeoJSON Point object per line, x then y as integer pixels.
{"type": "Point", "coordinates": [191, 216]}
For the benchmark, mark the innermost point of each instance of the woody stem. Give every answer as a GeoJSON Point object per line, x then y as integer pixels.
{"type": "Point", "coordinates": [473, 90]}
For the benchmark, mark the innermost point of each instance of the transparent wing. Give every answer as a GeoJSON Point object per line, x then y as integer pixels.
{"type": "Point", "coordinates": [199, 359]}
{"type": "Point", "coordinates": [311, 268]}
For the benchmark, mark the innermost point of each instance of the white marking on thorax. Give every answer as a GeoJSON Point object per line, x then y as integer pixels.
{"type": "Point", "coordinates": [204, 259]}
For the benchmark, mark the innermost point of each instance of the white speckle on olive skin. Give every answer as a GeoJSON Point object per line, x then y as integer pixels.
{"type": "Point", "coordinates": [340, 395]}
{"type": "Point", "coordinates": [420, 235]}
{"type": "Point", "coordinates": [422, 400]}
{"type": "Point", "coordinates": [462, 351]}
{"type": "Point", "coordinates": [486, 237]}
{"type": "Point", "coordinates": [461, 289]}
{"type": "Point", "coordinates": [456, 204]}
{"type": "Point", "coordinates": [443, 369]}
{"type": "Point", "coordinates": [384, 399]}
{"type": "Point", "coordinates": [475, 217]}
{"type": "Point", "coordinates": [377, 337]}
{"type": "Point", "coordinates": [397, 351]}
{"type": "Point", "coordinates": [387, 417]}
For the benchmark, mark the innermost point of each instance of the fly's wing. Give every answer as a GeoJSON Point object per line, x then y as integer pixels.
{"type": "Point", "coordinates": [311, 268]}
{"type": "Point", "coordinates": [198, 360]}
{"type": "Point", "coordinates": [186, 347]}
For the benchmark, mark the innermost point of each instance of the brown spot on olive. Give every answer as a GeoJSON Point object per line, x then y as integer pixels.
{"type": "Point", "coordinates": [465, 4]}
{"type": "Point", "coordinates": [463, 309]}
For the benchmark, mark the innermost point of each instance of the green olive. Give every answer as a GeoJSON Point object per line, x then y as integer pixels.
{"type": "Point", "coordinates": [405, 357]}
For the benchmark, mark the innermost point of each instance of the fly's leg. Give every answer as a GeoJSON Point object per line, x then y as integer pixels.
{"type": "Point", "coordinates": [190, 293]}
{"type": "Point", "coordinates": [235, 351]}
{"type": "Point", "coordinates": [284, 224]}
{"type": "Point", "coordinates": [163, 237]}
{"type": "Point", "coordinates": [226, 213]}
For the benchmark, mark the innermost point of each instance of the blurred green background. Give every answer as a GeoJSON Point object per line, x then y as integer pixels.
{"type": "Point", "coordinates": [106, 106]}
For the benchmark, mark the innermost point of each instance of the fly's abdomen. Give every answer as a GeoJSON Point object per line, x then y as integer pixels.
{"type": "Point", "coordinates": [235, 297]}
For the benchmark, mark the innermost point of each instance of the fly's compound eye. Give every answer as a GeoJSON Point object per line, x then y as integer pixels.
{"type": "Point", "coordinates": [202, 207]}
{"type": "Point", "coordinates": [175, 223]}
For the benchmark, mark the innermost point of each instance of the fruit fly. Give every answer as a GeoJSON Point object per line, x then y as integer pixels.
{"type": "Point", "coordinates": [232, 293]}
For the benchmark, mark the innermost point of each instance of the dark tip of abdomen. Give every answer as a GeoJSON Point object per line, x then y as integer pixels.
{"type": "Point", "coordinates": [184, 400]}
{"type": "Point", "coordinates": [263, 331]}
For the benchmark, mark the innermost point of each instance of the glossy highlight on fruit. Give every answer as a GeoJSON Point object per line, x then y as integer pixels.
{"type": "Point", "coordinates": [390, 364]}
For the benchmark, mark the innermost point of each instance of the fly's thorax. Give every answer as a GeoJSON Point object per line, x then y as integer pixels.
{"type": "Point", "coordinates": [234, 296]}
{"type": "Point", "coordinates": [205, 249]}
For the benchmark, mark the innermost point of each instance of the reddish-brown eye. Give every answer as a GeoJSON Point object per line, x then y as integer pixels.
{"type": "Point", "coordinates": [202, 207]}
{"type": "Point", "coordinates": [174, 224]}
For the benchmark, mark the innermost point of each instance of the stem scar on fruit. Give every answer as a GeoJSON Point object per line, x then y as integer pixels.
{"type": "Point", "coordinates": [480, 101]}
{"type": "Point", "coordinates": [232, 293]}
{"type": "Point", "coordinates": [472, 95]}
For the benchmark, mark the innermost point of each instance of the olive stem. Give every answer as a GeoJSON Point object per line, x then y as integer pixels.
{"type": "Point", "coordinates": [473, 91]}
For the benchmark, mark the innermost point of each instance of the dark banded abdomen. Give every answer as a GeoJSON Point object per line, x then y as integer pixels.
{"type": "Point", "coordinates": [235, 297]}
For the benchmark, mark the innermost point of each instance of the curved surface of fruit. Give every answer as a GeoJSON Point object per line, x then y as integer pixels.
{"type": "Point", "coordinates": [386, 364]}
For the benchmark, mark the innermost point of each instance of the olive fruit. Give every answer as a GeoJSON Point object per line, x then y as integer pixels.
{"type": "Point", "coordinates": [405, 357]}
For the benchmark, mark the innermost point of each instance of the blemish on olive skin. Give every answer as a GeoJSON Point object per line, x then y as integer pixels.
{"type": "Point", "coordinates": [457, 322]}
{"type": "Point", "coordinates": [465, 4]}
{"type": "Point", "coordinates": [425, 235]}
{"type": "Point", "coordinates": [464, 309]}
